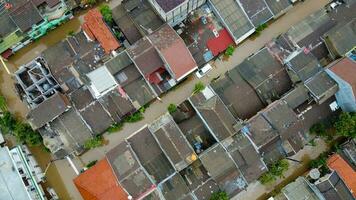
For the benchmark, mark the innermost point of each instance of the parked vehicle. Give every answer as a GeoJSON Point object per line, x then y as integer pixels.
{"type": "Point", "coordinates": [203, 71]}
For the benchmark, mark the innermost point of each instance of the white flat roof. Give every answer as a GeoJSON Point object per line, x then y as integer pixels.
{"type": "Point", "coordinates": [101, 81]}
{"type": "Point", "coordinates": [11, 184]}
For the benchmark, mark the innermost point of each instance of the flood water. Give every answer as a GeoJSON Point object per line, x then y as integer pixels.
{"type": "Point", "coordinates": [19, 108]}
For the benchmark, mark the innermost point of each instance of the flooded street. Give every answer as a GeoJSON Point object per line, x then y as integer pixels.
{"type": "Point", "coordinates": [20, 109]}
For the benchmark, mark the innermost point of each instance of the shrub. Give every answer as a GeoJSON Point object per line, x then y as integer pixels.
{"type": "Point", "coordinates": [107, 13]}
{"type": "Point", "coordinates": [319, 161]}
{"type": "Point", "coordinates": [3, 106]}
{"type": "Point", "coordinates": [137, 116]}
{"type": "Point", "coordinates": [115, 127]}
{"type": "Point", "coordinates": [7, 123]}
{"type": "Point", "coordinates": [24, 133]}
{"type": "Point", "coordinates": [94, 142]}
{"type": "Point", "coordinates": [172, 108]}
{"type": "Point", "coordinates": [198, 87]}
{"type": "Point", "coordinates": [91, 2]}
{"type": "Point", "coordinates": [266, 178]}
{"type": "Point", "coordinates": [318, 129]}
{"type": "Point", "coordinates": [230, 50]}
{"type": "Point", "coordinates": [220, 195]}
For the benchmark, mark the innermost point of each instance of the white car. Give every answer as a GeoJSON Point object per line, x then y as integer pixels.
{"type": "Point", "coordinates": [203, 71]}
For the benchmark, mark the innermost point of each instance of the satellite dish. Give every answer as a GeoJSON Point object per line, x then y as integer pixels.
{"type": "Point", "coordinates": [314, 174]}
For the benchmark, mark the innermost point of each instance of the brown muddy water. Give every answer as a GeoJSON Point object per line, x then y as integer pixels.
{"type": "Point", "coordinates": [20, 109]}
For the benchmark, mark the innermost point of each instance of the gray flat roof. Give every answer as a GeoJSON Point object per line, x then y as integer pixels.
{"type": "Point", "coordinates": [172, 141]}
{"type": "Point", "coordinates": [11, 185]}
{"type": "Point", "coordinates": [245, 156]}
{"type": "Point", "coordinates": [241, 99]}
{"type": "Point", "coordinates": [233, 17]}
{"type": "Point", "coordinates": [278, 6]}
{"type": "Point", "coordinates": [222, 169]}
{"type": "Point", "coordinates": [213, 111]}
{"type": "Point", "coordinates": [174, 188]}
{"type": "Point", "coordinates": [257, 11]}
{"type": "Point", "coordinates": [206, 190]}
{"type": "Point", "coordinates": [128, 170]}
{"type": "Point", "coordinates": [150, 155]}
{"type": "Point", "coordinates": [299, 189]}
{"type": "Point", "coordinates": [321, 84]}
{"type": "Point", "coordinates": [96, 117]}
{"type": "Point", "coordinates": [297, 96]}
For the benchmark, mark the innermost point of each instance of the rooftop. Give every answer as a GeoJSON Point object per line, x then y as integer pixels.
{"type": "Point", "coordinates": [175, 53]}
{"type": "Point", "coordinates": [96, 26]}
{"type": "Point", "coordinates": [240, 98]}
{"type": "Point", "coordinates": [278, 7]}
{"type": "Point", "coordinates": [303, 64]}
{"type": "Point", "coordinates": [321, 86]}
{"type": "Point", "coordinates": [345, 69]}
{"type": "Point", "coordinates": [168, 5]}
{"type": "Point", "coordinates": [344, 170]}
{"type": "Point", "coordinates": [172, 141]}
{"type": "Point", "coordinates": [25, 16]}
{"type": "Point", "coordinates": [48, 110]}
{"type": "Point", "coordinates": [128, 170]}
{"type": "Point", "coordinates": [332, 187]}
{"type": "Point", "coordinates": [101, 81]}
{"type": "Point", "coordinates": [96, 117]}
{"type": "Point", "coordinates": [11, 183]}
{"type": "Point", "coordinates": [234, 18]}
{"type": "Point", "coordinates": [297, 96]}
{"type": "Point", "coordinates": [341, 38]}
{"type": "Point", "coordinates": [245, 156]}
{"type": "Point", "coordinates": [206, 189]}
{"type": "Point", "coordinates": [266, 75]}
{"type": "Point", "coordinates": [257, 11]}
{"type": "Point", "coordinates": [223, 169]}
{"type": "Point", "coordinates": [174, 188]}
{"type": "Point", "coordinates": [75, 131]}
{"type": "Point", "coordinates": [299, 189]}
{"type": "Point", "coordinates": [150, 155]}
{"type": "Point", "coordinates": [215, 114]}
{"type": "Point", "coordinates": [99, 183]}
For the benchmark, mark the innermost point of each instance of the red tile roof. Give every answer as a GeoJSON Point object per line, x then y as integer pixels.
{"type": "Point", "coordinates": [346, 69]}
{"type": "Point", "coordinates": [95, 25]}
{"type": "Point", "coordinates": [345, 171]}
{"type": "Point", "coordinates": [174, 51]}
{"type": "Point", "coordinates": [99, 183]}
{"type": "Point", "coordinates": [220, 44]}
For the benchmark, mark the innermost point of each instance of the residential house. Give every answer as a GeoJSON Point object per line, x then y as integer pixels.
{"type": "Point", "coordinates": [257, 11]}
{"type": "Point", "coordinates": [95, 29]}
{"type": "Point", "coordinates": [332, 187]}
{"type": "Point", "coordinates": [341, 39]}
{"type": "Point", "coordinates": [162, 58]}
{"type": "Point", "coordinates": [342, 72]}
{"type": "Point", "coordinates": [136, 19]}
{"type": "Point", "coordinates": [24, 21]}
{"type": "Point", "coordinates": [21, 175]}
{"type": "Point", "coordinates": [99, 182]}
{"type": "Point", "coordinates": [300, 189]}
{"type": "Point", "coordinates": [345, 171]}
{"type": "Point", "coordinates": [234, 19]}
{"type": "Point", "coordinates": [175, 11]}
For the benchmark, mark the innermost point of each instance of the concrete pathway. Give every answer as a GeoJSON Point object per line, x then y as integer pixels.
{"type": "Point", "coordinates": [178, 95]}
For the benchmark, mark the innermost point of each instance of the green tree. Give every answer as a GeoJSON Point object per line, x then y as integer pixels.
{"type": "Point", "coordinates": [198, 87]}
{"type": "Point", "coordinates": [172, 108]}
{"type": "Point", "coordinates": [115, 127]}
{"type": "Point", "coordinates": [107, 13]}
{"type": "Point", "coordinates": [91, 2]}
{"type": "Point", "coordinates": [230, 50]}
{"type": "Point", "coordinates": [220, 195]}
{"type": "Point", "coordinates": [318, 129]}
{"type": "Point", "coordinates": [266, 178]}
{"type": "Point", "coordinates": [346, 124]}
{"type": "Point", "coordinates": [7, 123]}
{"type": "Point", "coordinates": [24, 133]}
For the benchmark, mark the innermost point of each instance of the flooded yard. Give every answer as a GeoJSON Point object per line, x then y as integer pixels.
{"type": "Point", "coordinates": [20, 109]}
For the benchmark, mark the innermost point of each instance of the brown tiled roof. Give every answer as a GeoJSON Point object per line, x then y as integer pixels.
{"type": "Point", "coordinates": [344, 170]}
{"type": "Point", "coordinates": [346, 69]}
{"type": "Point", "coordinates": [174, 51]}
{"type": "Point", "coordinates": [99, 183]}
{"type": "Point", "coordinates": [96, 25]}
